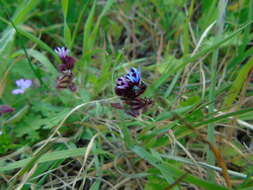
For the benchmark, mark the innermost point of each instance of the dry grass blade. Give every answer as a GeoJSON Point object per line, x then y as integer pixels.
{"type": "Point", "coordinates": [221, 163]}
{"type": "Point", "coordinates": [67, 116]}
{"type": "Point", "coordinates": [89, 147]}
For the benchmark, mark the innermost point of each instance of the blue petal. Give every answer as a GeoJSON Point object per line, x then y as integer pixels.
{"type": "Point", "coordinates": [134, 75]}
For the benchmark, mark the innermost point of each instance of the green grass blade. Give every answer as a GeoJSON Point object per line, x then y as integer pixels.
{"type": "Point", "coordinates": [56, 155]}
{"type": "Point", "coordinates": [188, 59]}
{"type": "Point", "coordinates": [67, 32]}
{"type": "Point", "coordinates": [170, 170]}
{"type": "Point", "coordinates": [39, 42]}
{"type": "Point", "coordinates": [212, 95]}
{"type": "Point", "coordinates": [88, 28]}
{"type": "Point", "coordinates": [238, 83]}
{"type": "Point", "coordinates": [23, 10]}
{"type": "Point", "coordinates": [78, 24]}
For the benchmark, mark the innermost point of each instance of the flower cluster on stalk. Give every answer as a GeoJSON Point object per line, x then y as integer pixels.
{"type": "Point", "coordinates": [129, 87]}
{"type": "Point", "coordinates": [66, 79]}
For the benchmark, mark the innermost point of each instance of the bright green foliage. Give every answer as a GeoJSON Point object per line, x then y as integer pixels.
{"type": "Point", "coordinates": [196, 60]}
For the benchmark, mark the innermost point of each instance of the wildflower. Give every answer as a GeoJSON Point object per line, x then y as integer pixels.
{"type": "Point", "coordinates": [129, 87]}
{"type": "Point", "coordinates": [23, 84]}
{"type": "Point", "coordinates": [5, 109]}
{"type": "Point", "coordinates": [65, 80]}
{"type": "Point", "coordinates": [67, 61]}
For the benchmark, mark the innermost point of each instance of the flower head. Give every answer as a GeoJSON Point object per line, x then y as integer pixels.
{"type": "Point", "coordinates": [61, 51]}
{"type": "Point", "coordinates": [67, 61]}
{"type": "Point", "coordinates": [130, 85]}
{"type": "Point", "coordinates": [134, 75]}
{"type": "Point", "coordinates": [23, 84]}
{"type": "Point", "coordinates": [66, 79]}
{"type": "Point", "coordinates": [5, 109]}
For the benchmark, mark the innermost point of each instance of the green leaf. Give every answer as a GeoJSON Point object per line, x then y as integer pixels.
{"type": "Point", "coordinates": [20, 15]}
{"type": "Point", "coordinates": [23, 10]}
{"type": "Point", "coordinates": [96, 185]}
{"type": "Point", "coordinates": [67, 32]}
{"type": "Point", "coordinates": [6, 39]}
{"type": "Point", "coordinates": [88, 28]}
{"type": "Point", "coordinates": [41, 58]}
{"type": "Point", "coordinates": [56, 155]}
{"type": "Point", "coordinates": [238, 83]}
{"type": "Point", "coordinates": [39, 42]}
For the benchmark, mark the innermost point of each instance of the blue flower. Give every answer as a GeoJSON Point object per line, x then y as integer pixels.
{"type": "Point", "coordinates": [134, 75]}
{"type": "Point", "coordinates": [23, 84]}
{"type": "Point", "coordinates": [130, 85]}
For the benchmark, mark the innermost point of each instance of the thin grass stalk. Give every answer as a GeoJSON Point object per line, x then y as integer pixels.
{"type": "Point", "coordinates": [35, 71]}
{"type": "Point", "coordinates": [211, 127]}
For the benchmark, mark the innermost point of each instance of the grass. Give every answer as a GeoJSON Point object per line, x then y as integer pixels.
{"type": "Point", "coordinates": [195, 58]}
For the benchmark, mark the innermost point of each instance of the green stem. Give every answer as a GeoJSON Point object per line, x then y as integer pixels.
{"type": "Point", "coordinates": [211, 126]}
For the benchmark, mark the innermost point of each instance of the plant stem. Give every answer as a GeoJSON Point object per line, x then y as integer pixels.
{"type": "Point", "coordinates": [211, 127]}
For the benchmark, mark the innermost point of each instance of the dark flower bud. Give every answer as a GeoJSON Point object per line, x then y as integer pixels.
{"type": "Point", "coordinates": [6, 109]}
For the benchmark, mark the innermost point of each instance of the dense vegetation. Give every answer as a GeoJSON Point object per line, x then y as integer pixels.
{"type": "Point", "coordinates": [71, 117]}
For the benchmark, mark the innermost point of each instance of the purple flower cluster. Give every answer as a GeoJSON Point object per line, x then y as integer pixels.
{"type": "Point", "coordinates": [129, 87]}
{"type": "Point", "coordinates": [67, 61]}
{"type": "Point", "coordinates": [66, 79]}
